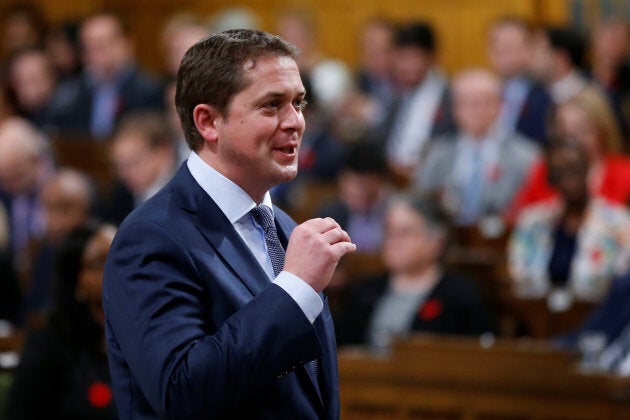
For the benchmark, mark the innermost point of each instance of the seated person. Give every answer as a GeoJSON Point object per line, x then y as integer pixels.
{"type": "Point", "coordinates": [416, 294]}
{"type": "Point", "coordinates": [569, 246]}
{"type": "Point", "coordinates": [67, 199]}
{"type": "Point", "coordinates": [606, 331]}
{"type": "Point", "coordinates": [63, 372]}
{"type": "Point", "coordinates": [587, 119]}
{"type": "Point", "coordinates": [610, 317]}
{"type": "Point", "coordinates": [363, 189]}
{"type": "Point", "coordinates": [144, 159]}
{"type": "Point", "coordinates": [476, 171]}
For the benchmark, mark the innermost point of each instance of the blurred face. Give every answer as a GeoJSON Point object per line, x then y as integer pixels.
{"type": "Point", "coordinates": [409, 245]}
{"type": "Point", "coordinates": [361, 192]}
{"type": "Point", "coordinates": [377, 47]}
{"type": "Point", "coordinates": [18, 172]}
{"type": "Point", "coordinates": [257, 144]}
{"type": "Point", "coordinates": [574, 124]}
{"type": "Point", "coordinates": [410, 66]}
{"type": "Point", "coordinates": [91, 276]}
{"type": "Point", "coordinates": [137, 164]}
{"type": "Point", "coordinates": [542, 61]}
{"type": "Point", "coordinates": [476, 105]}
{"type": "Point", "coordinates": [105, 46]}
{"type": "Point", "coordinates": [178, 42]}
{"type": "Point", "coordinates": [611, 42]}
{"type": "Point", "coordinates": [296, 30]}
{"type": "Point", "coordinates": [568, 173]}
{"type": "Point", "coordinates": [18, 33]}
{"type": "Point", "coordinates": [62, 52]}
{"type": "Point", "coordinates": [508, 50]}
{"type": "Point", "coordinates": [65, 209]}
{"type": "Point", "coordinates": [32, 80]}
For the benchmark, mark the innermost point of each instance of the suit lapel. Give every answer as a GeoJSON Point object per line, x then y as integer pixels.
{"type": "Point", "coordinates": [222, 236]}
{"type": "Point", "coordinates": [219, 232]}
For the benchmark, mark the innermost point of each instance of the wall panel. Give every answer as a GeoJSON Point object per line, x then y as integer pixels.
{"type": "Point", "coordinates": [460, 24]}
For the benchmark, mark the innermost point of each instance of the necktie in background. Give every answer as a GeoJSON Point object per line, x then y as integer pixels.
{"type": "Point", "coordinates": [264, 218]}
{"type": "Point", "coordinates": [471, 193]}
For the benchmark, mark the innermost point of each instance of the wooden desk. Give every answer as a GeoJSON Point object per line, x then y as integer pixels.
{"type": "Point", "coordinates": [445, 378]}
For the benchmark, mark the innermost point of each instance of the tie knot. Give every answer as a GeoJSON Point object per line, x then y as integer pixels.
{"type": "Point", "coordinates": [262, 215]}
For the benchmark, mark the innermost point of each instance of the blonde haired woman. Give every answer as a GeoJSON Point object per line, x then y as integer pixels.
{"type": "Point", "coordinates": [588, 120]}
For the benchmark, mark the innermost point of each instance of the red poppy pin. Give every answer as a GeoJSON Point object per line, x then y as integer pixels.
{"type": "Point", "coordinates": [99, 394]}
{"type": "Point", "coordinates": [431, 309]}
{"type": "Point", "coordinates": [494, 174]}
{"type": "Point", "coordinates": [596, 255]}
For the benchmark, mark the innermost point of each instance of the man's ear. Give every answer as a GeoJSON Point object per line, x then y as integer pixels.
{"type": "Point", "coordinates": [207, 118]}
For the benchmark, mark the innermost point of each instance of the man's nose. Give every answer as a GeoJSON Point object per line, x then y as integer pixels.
{"type": "Point", "coordinates": [292, 119]}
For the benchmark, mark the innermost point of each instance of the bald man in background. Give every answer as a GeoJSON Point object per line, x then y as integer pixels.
{"type": "Point", "coordinates": [476, 171]}
{"type": "Point", "coordinates": [25, 163]}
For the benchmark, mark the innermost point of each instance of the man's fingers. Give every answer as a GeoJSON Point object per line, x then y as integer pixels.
{"type": "Point", "coordinates": [342, 248]}
{"type": "Point", "coordinates": [322, 225]}
{"type": "Point", "coordinates": [336, 235]}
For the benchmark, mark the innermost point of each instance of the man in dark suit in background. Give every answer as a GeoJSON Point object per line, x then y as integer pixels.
{"type": "Point", "coordinates": [204, 320]}
{"type": "Point", "coordinates": [525, 101]}
{"type": "Point", "coordinates": [111, 85]}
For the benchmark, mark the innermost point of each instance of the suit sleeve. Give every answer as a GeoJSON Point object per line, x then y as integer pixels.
{"type": "Point", "coordinates": [159, 317]}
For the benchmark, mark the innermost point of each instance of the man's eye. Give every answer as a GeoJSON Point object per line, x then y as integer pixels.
{"type": "Point", "coordinates": [300, 104]}
{"type": "Point", "coordinates": [272, 105]}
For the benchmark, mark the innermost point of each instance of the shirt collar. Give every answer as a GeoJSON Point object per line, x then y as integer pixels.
{"type": "Point", "coordinates": [567, 87]}
{"type": "Point", "coordinates": [233, 201]}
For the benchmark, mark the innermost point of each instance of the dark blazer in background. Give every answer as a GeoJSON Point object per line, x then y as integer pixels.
{"type": "Point", "coordinates": [532, 120]}
{"type": "Point", "coordinates": [453, 307]}
{"type": "Point", "coordinates": [610, 317]}
{"type": "Point", "coordinates": [195, 329]}
{"type": "Point", "coordinates": [72, 111]}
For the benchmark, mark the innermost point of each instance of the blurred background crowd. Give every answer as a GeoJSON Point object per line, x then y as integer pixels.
{"type": "Point", "coordinates": [486, 196]}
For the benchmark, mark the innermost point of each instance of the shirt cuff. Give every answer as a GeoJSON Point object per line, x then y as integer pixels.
{"type": "Point", "coordinates": [304, 295]}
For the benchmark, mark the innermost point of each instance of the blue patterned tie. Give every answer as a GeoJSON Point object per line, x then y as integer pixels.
{"type": "Point", "coordinates": [264, 218]}
{"type": "Point", "coordinates": [262, 215]}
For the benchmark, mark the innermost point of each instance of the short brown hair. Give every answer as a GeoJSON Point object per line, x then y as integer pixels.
{"type": "Point", "coordinates": [151, 125]}
{"type": "Point", "coordinates": [212, 72]}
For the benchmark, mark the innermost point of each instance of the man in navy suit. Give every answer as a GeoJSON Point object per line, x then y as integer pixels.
{"type": "Point", "coordinates": [111, 86]}
{"type": "Point", "coordinates": [200, 320]}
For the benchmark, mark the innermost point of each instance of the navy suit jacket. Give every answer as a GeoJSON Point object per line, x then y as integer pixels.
{"type": "Point", "coordinates": [194, 327]}
{"type": "Point", "coordinates": [610, 317]}
{"type": "Point", "coordinates": [71, 112]}
{"type": "Point", "coordinates": [532, 120]}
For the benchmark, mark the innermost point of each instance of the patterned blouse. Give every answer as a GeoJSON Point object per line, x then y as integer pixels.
{"type": "Point", "coordinates": [603, 249]}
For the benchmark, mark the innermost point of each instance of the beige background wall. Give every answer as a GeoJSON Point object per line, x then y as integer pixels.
{"type": "Point", "coordinates": [459, 24]}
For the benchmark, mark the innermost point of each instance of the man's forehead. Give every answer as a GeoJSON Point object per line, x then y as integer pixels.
{"type": "Point", "coordinates": [268, 67]}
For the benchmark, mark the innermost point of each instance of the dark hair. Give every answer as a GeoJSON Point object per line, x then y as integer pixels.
{"type": "Point", "coordinates": [70, 317]}
{"type": "Point", "coordinates": [212, 72]}
{"type": "Point", "coordinates": [416, 34]}
{"type": "Point", "coordinates": [365, 157]}
{"type": "Point", "coordinates": [429, 208]}
{"type": "Point", "coordinates": [569, 41]}
{"type": "Point", "coordinates": [151, 125]}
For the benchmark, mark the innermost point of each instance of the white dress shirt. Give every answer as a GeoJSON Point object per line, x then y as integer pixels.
{"type": "Point", "coordinates": [236, 204]}
{"type": "Point", "coordinates": [414, 122]}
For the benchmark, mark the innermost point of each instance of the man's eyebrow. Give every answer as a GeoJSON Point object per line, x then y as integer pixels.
{"type": "Point", "coordinates": [272, 95]}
